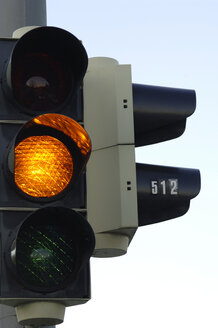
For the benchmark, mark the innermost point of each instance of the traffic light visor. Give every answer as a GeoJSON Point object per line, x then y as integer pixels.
{"type": "Point", "coordinates": [46, 66]}
{"type": "Point", "coordinates": [50, 152]}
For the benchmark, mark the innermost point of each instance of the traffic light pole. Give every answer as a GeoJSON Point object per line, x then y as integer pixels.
{"type": "Point", "coordinates": [8, 317]}
{"type": "Point", "coordinates": [15, 14]}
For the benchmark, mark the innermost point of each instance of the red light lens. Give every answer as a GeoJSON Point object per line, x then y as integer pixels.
{"type": "Point", "coordinates": [40, 82]}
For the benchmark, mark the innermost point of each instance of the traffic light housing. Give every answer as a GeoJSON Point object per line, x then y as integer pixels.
{"type": "Point", "coordinates": [123, 195]}
{"type": "Point", "coordinates": [47, 95]}
{"type": "Point", "coordinates": [46, 240]}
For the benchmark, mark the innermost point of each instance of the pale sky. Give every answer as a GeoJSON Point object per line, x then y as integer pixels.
{"type": "Point", "coordinates": [169, 277]}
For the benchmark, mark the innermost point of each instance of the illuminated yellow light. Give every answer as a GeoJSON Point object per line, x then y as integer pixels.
{"type": "Point", "coordinates": [43, 166]}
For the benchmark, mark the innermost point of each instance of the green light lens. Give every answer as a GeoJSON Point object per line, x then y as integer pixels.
{"type": "Point", "coordinates": [45, 256]}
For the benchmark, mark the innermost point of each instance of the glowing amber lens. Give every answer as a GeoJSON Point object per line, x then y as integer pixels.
{"type": "Point", "coordinates": [43, 166]}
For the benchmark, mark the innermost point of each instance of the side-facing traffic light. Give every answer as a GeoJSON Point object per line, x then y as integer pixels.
{"type": "Point", "coordinates": [46, 240]}
{"type": "Point", "coordinates": [160, 114]}
{"type": "Point", "coordinates": [119, 115]}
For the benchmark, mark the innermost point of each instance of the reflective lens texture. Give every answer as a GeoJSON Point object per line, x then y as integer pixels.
{"type": "Point", "coordinates": [45, 255]}
{"type": "Point", "coordinates": [43, 166]}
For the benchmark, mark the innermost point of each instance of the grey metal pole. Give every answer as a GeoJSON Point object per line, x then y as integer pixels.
{"type": "Point", "coordinates": [18, 13]}
{"type": "Point", "coordinates": [13, 15]}
{"type": "Point", "coordinates": [8, 318]}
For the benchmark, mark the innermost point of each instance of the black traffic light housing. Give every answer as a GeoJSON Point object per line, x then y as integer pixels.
{"type": "Point", "coordinates": [46, 241]}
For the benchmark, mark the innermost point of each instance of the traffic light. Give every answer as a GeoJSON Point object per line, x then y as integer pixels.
{"type": "Point", "coordinates": [46, 240]}
{"type": "Point", "coordinates": [160, 114]}
{"type": "Point", "coordinates": [121, 194]}
{"type": "Point", "coordinates": [55, 201]}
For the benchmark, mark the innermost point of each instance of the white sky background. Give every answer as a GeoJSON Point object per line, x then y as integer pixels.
{"type": "Point", "coordinates": [169, 278]}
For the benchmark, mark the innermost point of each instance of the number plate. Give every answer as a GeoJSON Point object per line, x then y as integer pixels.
{"type": "Point", "coordinates": [165, 187]}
